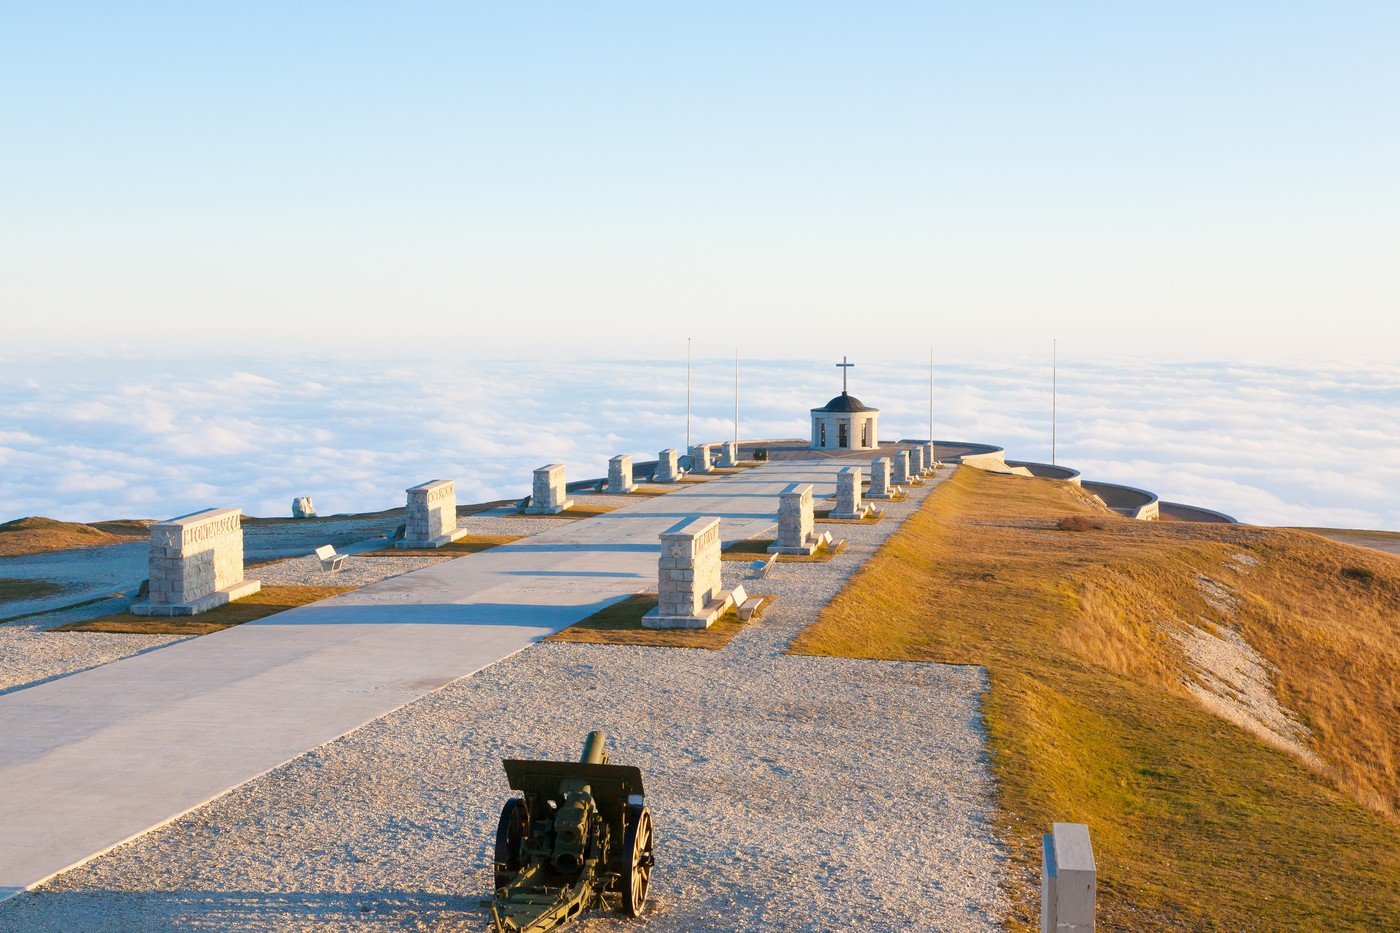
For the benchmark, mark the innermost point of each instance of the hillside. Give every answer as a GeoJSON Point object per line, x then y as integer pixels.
{"type": "Point", "coordinates": [1217, 702]}
{"type": "Point", "coordinates": [36, 535]}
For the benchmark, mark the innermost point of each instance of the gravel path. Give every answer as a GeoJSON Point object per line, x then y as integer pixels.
{"type": "Point", "coordinates": [791, 793]}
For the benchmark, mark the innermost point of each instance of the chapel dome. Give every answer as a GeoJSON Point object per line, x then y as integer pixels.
{"type": "Point", "coordinates": [845, 402]}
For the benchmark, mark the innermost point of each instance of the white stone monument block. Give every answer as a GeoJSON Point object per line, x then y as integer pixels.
{"type": "Point", "coordinates": [700, 461]}
{"type": "Point", "coordinates": [196, 564]}
{"type": "Point", "coordinates": [899, 470]}
{"type": "Point", "coordinates": [1068, 880]}
{"type": "Point", "coordinates": [796, 533]}
{"type": "Point", "coordinates": [880, 487]}
{"type": "Point", "coordinates": [550, 493]}
{"type": "Point", "coordinates": [917, 467]}
{"type": "Point", "coordinates": [848, 495]}
{"type": "Point", "coordinates": [302, 507]}
{"type": "Point", "coordinates": [688, 587]}
{"type": "Point", "coordinates": [729, 454]}
{"type": "Point", "coordinates": [431, 517]}
{"type": "Point", "coordinates": [929, 459]}
{"type": "Point", "coordinates": [620, 475]}
{"type": "Point", "coordinates": [668, 467]}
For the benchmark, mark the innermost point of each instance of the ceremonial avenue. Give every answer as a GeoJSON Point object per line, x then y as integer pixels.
{"type": "Point", "coordinates": [165, 731]}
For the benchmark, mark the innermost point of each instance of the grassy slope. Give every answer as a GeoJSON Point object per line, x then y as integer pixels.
{"type": "Point", "coordinates": [1196, 823]}
{"type": "Point", "coordinates": [37, 535]}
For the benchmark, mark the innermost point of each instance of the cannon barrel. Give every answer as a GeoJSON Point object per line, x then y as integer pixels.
{"type": "Point", "coordinates": [594, 749]}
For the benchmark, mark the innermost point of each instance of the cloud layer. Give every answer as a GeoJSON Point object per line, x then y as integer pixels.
{"type": "Point", "coordinates": [94, 439]}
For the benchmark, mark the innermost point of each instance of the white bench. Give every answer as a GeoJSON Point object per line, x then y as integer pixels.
{"type": "Point", "coordinates": [330, 560]}
{"type": "Point", "coordinates": [761, 567]}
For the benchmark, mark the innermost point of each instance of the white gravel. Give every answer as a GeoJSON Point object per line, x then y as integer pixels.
{"type": "Point", "coordinates": [791, 793]}
{"type": "Point", "coordinates": [29, 654]}
{"type": "Point", "coordinates": [356, 571]}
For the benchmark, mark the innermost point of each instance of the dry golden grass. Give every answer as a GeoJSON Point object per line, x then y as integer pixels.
{"type": "Point", "coordinates": [12, 590]}
{"type": "Point", "coordinates": [467, 544]}
{"type": "Point", "coordinates": [757, 548]}
{"type": "Point", "coordinates": [1197, 824]}
{"type": "Point", "coordinates": [267, 601]}
{"type": "Point", "coordinates": [621, 624]}
{"type": "Point", "coordinates": [584, 510]}
{"type": "Point", "coordinates": [37, 535]}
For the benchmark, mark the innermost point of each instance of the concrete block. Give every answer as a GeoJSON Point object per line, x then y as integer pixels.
{"type": "Point", "coordinates": [1068, 880]}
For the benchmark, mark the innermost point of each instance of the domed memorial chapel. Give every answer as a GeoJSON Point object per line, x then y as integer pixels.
{"type": "Point", "coordinates": [845, 422]}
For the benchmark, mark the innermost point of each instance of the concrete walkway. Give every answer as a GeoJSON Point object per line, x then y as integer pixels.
{"type": "Point", "coordinates": [91, 760]}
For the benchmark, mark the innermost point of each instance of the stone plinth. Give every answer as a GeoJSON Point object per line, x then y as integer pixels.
{"type": "Point", "coordinates": [729, 454]}
{"type": "Point", "coordinates": [917, 465]}
{"type": "Point", "coordinates": [929, 460]}
{"type": "Point", "coordinates": [431, 518]}
{"type": "Point", "coordinates": [880, 487]}
{"type": "Point", "coordinates": [688, 577]}
{"type": "Point", "coordinates": [899, 467]}
{"type": "Point", "coordinates": [700, 459]}
{"type": "Point", "coordinates": [848, 494]}
{"type": "Point", "coordinates": [620, 475]}
{"type": "Point", "coordinates": [668, 467]}
{"type": "Point", "coordinates": [302, 507]}
{"type": "Point", "coordinates": [196, 564]}
{"type": "Point", "coordinates": [549, 495]}
{"type": "Point", "coordinates": [1068, 880]}
{"type": "Point", "coordinates": [796, 533]}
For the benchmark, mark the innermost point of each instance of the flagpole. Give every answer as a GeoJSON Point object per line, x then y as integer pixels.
{"type": "Point", "coordinates": [736, 401]}
{"type": "Point", "coordinates": [687, 395]}
{"type": "Point", "coordinates": [1054, 396]}
{"type": "Point", "coordinates": [931, 447]}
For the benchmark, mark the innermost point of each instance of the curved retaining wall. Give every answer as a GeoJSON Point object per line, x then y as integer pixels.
{"type": "Point", "coordinates": [1126, 500]}
{"type": "Point", "coordinates": [1048, 470]}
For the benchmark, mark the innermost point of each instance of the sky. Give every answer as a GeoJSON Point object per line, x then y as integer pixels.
{"type": "Point", "coordinates": [1186, 181]}
{"type": "Point", "coordinates": [108, 437]}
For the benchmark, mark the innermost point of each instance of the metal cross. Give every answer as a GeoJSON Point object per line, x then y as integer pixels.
{"type": "Point", "coordinates": [844, 366]}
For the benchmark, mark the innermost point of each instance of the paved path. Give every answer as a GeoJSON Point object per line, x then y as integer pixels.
{"type": "Point", "coordinates": [91, 760]}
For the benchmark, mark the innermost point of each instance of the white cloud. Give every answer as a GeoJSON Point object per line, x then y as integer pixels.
{"type": "Point", "coordinates": [1317, 445]}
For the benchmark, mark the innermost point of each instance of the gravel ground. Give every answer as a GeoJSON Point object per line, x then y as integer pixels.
{"type": "Point", "coordinates": [356, 571]}
{"type": "Point", "coordinates": [790, 793]}
{"type": "Point", "coordinates": [29, 655]}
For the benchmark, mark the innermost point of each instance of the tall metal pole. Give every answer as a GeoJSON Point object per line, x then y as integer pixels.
{"type": "Point", "coordinates": [1054, 395]}
{"type": "Point", "coordinates": [736, 401]}
{"type": "Point", "coordinates": [930, 404]}
{"type": "Point", "coordinates": [687, 395]}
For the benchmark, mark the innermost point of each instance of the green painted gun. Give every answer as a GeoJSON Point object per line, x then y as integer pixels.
{"type": "Point", "coordinates": [580, 838]}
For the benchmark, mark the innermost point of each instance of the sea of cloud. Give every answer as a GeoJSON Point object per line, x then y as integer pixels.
{"type": "Point", "coordinates": [88, 439]}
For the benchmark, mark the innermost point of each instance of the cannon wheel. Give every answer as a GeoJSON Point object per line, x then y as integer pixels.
{"type": "Point", "coordinates": [510, 833]}
{"type": "Point", "coordinates": [638, 843]}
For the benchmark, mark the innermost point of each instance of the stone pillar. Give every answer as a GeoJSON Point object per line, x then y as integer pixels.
{"type": "Point", "coordinates": [302, 507]}
{"type": "Point", "coordinates": [196, 564]}
{"type": "Point", "coordinates": [431, 519]}
{"type": "Point", "coordinates": [729, 454]}
{"type": "Point", "coordinates": [929, 460]}
{"type": "Point", "coordinates": [795, 524]}
{"type": "Point", "coordinates": [900, 467]}
{"type": "Point", "coordinates": [688, 587]}
{"type": "Point", "coordinates": [917, 467]}
{"type": "Point", "coordinates": [848, 494]}
{"type": "Point", "coordinates": [1068, 880]}
{"type": "Point", "coordinates": [549, 494]}
{"type": "Point", "coordinates": [620, 475]}
{"type": "Point", "coordinates": [668, 467]}
{"type": "Point", "coordinates": [880, 487]}
{"type": "Point", "coordinates": [700, 459]}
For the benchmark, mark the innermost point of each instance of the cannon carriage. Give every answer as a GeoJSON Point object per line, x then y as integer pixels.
{"type": "Point", "coordinates": [580, 837]}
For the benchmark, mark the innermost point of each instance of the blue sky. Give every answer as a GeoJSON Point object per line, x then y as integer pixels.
{"type": "Point", "coordinates": [1175, 180]}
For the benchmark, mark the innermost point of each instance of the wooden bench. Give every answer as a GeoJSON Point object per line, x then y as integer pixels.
{"type": "Point", "coordinates": [330, 560]}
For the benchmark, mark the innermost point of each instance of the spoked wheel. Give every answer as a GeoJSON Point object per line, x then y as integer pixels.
{"type": "Point", "coordinates": [638, 843]}
{"type": "Point", "coordinates": [510, 833]}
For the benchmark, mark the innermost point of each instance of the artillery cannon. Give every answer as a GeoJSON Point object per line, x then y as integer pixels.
{"type": "Point", "coordinates": [581, 837]}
